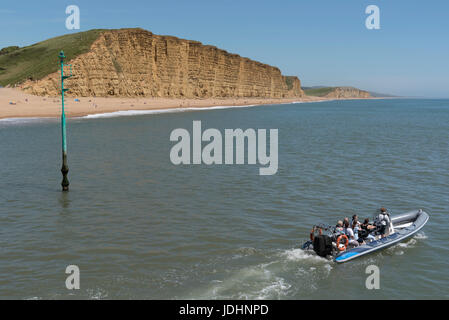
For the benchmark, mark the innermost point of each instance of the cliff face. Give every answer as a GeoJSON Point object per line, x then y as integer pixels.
{"type": "Point", "coordinates": [348, 92]}
{"type": "Point", "coordinates": [135, 62]}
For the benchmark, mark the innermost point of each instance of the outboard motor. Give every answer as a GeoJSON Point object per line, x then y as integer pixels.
{"type": "Point", "coordinates": [322, 245]}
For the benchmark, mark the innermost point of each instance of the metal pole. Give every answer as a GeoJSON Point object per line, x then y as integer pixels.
{"type": "Point", "coordinates": [65, 168]}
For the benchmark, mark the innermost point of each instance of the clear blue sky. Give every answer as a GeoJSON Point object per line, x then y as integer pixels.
{"type": "Point", "coordinates": [324, 42]}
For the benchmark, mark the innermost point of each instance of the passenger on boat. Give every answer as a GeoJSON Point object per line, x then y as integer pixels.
{"type": "Point", "coordinates": [365, 229]}
{"type": "Point", "coordinates": [339, 227]}
{"type": "Point", "coordinates": [355, 219]}
{"type": "Point", "coordinates": [356, 228]}
{"type": "Point", "coordinates": [350, 234]}
{"type": "Point", "coordinates": [383, 221]}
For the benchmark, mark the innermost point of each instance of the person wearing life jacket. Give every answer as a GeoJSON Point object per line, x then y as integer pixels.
{"type": "Point", "coordinates": [339, 231]}
{"type": "Point", "coordinates": [383, 221]}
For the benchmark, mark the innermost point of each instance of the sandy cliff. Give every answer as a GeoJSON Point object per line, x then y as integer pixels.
{"type": "Point", "coordinates": [348, 92]}
{"type": "Point", "coordinates": [138, 63]}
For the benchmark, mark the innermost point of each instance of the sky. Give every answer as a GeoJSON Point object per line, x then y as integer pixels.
{"type": "Point", "coordinates": [323, 42]}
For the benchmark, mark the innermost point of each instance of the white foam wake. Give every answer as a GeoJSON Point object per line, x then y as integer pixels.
{"type": "Point", "coordinates": [285, 272]}
{"type": "Point", "coordinates": [420, 236]}
{"type": "Point", "coordinates": [301, 255]}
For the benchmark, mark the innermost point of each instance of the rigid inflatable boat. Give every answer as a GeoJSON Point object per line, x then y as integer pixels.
{"type": "Point", "coordinates": [402, 227]}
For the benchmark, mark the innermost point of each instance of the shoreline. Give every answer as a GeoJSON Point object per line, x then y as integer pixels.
{"type": "Point", "coordinates": [15, 104]}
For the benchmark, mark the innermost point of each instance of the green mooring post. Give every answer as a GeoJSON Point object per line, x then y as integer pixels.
{"type": "Point", "coordinates": [65, 168]}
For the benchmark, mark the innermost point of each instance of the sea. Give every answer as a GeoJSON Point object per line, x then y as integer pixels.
{"type": "Point", "coordinates": [137, 226]}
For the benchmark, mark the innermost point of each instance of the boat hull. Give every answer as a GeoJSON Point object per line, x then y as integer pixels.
{"type": "Point", "coordinates": [406, 225]}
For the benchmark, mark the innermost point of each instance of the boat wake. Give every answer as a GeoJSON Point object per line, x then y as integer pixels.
{"type": "Point", "coordinates": [283, 273]}
{"type": "Point", "coordinates": [410, 243]}
{"type": "Point", "coordinates": [279, 277]}
{"type": "Point", "coordinates": [420, 236]}
{"type": "Point", "coordinates": [301, 255]}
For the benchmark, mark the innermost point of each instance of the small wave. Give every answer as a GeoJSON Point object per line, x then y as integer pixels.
{"type": "Point", "coordinates": [129, 113]}
{"type": "Point", "coordinates": [301, 255]}
{"type": "Point", "coordinates": [277, 288]}
{"type": "Point", "coordinates": [16, 121]}
{"type": "Point", "coordinates": [97, 294]}
{"type": "Point", "coordinates": [420, 236]}
{"type": "Point", "coordinates": [247, 250]}
{"type": "Point", "coordinates": [328, 267]}
{"type": "Point", "coordinates": [399, 248]}
{"type": "Point", "coordinates": [409, 244]}
{"type": "Point", "coordinates": [244, 252]}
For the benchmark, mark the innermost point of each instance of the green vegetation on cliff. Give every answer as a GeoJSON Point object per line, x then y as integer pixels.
{"type": "Point", "coordinates": [318, 92]}
{"type": "Point", "coordinates": [38, 60]}
{"type": "Point", "coordinates": [8, 50]}
{"type": "Point", "coordinates": [337, 92]}
{"type": "Point", "coordinates": [289, 81]}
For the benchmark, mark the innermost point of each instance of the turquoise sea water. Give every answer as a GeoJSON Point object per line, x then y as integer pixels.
{"type": "Point", "coordinates": [140, 227]}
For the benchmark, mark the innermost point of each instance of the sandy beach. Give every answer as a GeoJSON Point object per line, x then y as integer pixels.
{"type": "Point", "coordinates": [16, 104]}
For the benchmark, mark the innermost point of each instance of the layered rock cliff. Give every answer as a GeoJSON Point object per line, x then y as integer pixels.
{"type": "Point", "coordinates": [348, 92]}
{"type": "Point", "coordinates": [337, 92]}
{"type": "Point", "coordinates": [138, 63]}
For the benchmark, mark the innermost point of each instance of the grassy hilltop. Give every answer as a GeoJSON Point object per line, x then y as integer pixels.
{"type": "Point", "coordinates": [40, 59]}
{"type": "Point", "coordinates": [336, 92]}
{"type": "Point", "coordinates": [318, 92]}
